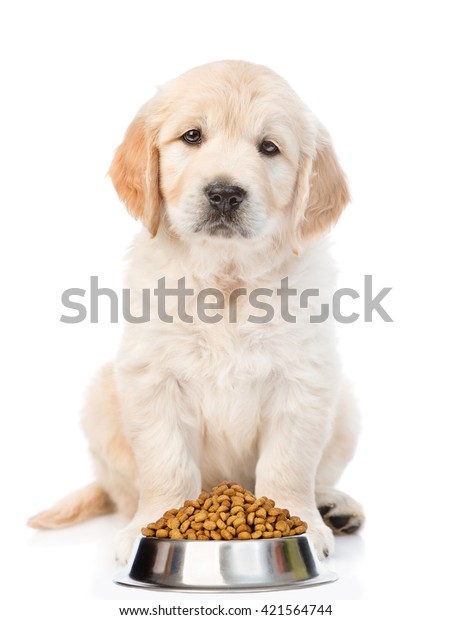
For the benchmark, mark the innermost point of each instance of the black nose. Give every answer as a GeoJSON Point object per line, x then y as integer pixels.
{"type": "Point", "coordinates": [225, 198]}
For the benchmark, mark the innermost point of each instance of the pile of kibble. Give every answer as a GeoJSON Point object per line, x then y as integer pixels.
{"type": "Point", "coordinates": [228, 512]}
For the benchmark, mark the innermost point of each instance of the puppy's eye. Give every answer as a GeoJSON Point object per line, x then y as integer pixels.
{"type": "Point", "coordinates": [193, 136]}
{"type": "Point", "coordinates": [268, 148]}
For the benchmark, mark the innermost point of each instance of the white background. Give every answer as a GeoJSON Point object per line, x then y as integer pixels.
{"type": "Point", "coordinates": [378, 75]}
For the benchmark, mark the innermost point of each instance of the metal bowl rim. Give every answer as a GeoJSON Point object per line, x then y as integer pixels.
{"type": "Point", "coordinates": [234, 540]}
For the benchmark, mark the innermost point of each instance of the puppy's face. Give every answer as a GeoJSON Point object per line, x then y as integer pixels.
{"type": "Point", "coordinates": [228, 160]}
{"type": "Point", "coordinates": [229, 151]}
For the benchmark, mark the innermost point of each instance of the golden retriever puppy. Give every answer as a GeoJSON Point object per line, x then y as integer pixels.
{"type": "Point", "coordinates": [230, 373]}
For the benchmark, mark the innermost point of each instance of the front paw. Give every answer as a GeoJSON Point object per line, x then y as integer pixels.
{"type": "Point", "coordinates": [321, 539]}
{"type": "Point", "coordinates": [125, 541]}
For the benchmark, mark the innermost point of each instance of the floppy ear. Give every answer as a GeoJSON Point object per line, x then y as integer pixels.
{"type": "Point", "coordinates": [327, 194]}
{"type": "Point", "coordinates": [135, 174]}
{"type": "Point", "coordinates": [321, 194]}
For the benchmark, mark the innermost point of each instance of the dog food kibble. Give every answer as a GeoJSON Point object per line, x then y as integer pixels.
{"type": "Point", "coordinates": [228, 512]}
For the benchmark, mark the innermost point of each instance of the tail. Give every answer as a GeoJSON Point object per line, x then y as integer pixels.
{"type": "Point", "coordinates": [90, 501]}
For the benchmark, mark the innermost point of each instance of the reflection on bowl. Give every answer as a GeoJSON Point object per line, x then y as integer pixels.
{"type": "Point", "coordinates": [212, 565]}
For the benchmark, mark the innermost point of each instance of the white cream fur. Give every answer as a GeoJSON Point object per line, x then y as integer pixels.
{"type": "Point", "coordinates": [185, 406]}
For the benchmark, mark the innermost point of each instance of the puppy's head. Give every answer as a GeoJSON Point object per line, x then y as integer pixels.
{"type": "Point", "coordinates": [228, 150]}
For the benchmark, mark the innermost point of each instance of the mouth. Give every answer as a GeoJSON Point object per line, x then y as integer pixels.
{"type": "Point", "coordinates": [223, 225]}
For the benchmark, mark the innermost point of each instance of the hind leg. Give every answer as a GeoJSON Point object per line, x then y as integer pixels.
{"type": "Point", "coordinates": [114, 462]}
{"type": "Point", "coordinates": [340, 512]}
{"type": "Point", "coordinates": [116, 484]}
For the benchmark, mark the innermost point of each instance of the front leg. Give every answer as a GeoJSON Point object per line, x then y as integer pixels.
{"type": "Point", "coordinates": [160, 424]}
{"type": "Point", "coordinates": [295, 431]}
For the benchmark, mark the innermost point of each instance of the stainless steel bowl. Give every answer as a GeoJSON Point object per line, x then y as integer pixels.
{"type": "Point", "coordinates": [210, 566]}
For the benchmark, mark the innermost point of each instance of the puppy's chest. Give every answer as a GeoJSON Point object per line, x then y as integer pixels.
{"type": "Point", "coordinates": [233, 346]}
{"type": "Point", "coordinates": [237, 370]}
{"type": "Point", "coordinates": [224, 357]}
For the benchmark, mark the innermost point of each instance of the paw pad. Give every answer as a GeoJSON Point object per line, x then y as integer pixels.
{"type": "Point", "coordinates": [340, 523]}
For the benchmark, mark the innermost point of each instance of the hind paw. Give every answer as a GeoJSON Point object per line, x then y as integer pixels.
{"type": "Point", "coordinates": [339, 511]}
